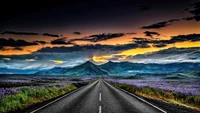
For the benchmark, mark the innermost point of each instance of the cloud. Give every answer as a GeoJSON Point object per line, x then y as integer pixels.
{"type": "Point", "coordinates": [194, 9]}
{"type": "Point", "coordinates": [15, 43]}
{"type": "Point", "coordinates": [40, 42]}
{"type": "Point", "coordinates": [182, 38]}
{"type": "Point", "coordinates": [188, 18]}
{"type": "Point", "coordinates": [29, 33]}
{"type": "Point", "coordinates": [151, 34]}
{"type": "Point", "coordinates": [99, 37]}
{"type": "Point", "coordinates": [169, 55]}
{"type": "Point", "coordinates": [96, 47]}
{"type": "Point", "coordinates": [159, 45]}
{"type": "Point", "coordinates": [29, 60]}
{"type": "Point", "coordinates": [14, 48]}
{"type": "Point", "coordinates": [51, 35]}
{"type": "Point", "coordinates": [160, 24]}
{"type": "Point", "coordinates": [143, 45]}
{"type": "Point", "coordinates": [1, 48]}
{"type": "Point", "coordinates": [131, 33]}
{"type": "Point", "coordinates": [163, 43]}
{"type": "Point", "coordinates": [77, 33]}
{"type": "Point", "coordinates": [144, 8]}
{"type": "Point", "coordinates": [19, 33]}
{"type": "Point", "coordinates": [50, 57]}
{"type": "Point", "coordinates": [61, 41]}
{"type": "Point", "coordinates": [18, 48]}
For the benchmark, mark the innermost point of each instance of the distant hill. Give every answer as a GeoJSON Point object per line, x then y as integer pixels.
{"type": "Point", "coordinates": [124, 69]}
{"type": "Point", "coordinates": [16, 71]}
{"type": "Point", "coordinates": [53, 71]}
{"type": "Point", "coordinates": [128, 68]}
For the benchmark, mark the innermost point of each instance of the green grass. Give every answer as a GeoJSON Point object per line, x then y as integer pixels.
{"type": "Point", "coordinates": [27, 97]}
{"type": "Point", "coordinates": [192, 101]}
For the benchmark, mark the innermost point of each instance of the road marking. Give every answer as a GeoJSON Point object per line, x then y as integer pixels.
{"type": "Point", "coordinates": [60, 98]}
{"type": "Point", "coordinates": [100, 109]}
{"type": "Point", "coordinates": [99, 96]}
{"type": "Point", "coordinates": [138, 98]}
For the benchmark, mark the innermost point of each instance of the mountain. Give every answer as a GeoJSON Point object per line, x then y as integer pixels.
{"type": "Point", "coordinates": [124, 69]}
{"type": "Point", "coordinates": [88, 69]}
{"type": "Point", "coordinates": [127, 68]}
{"type": "Point", "coordinates": [16, 71]}
{"type": "Point", "coordinates": [53, 71]}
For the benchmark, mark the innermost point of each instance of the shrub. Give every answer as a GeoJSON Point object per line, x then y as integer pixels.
{"type": "Point", "coordinates": [27, 97]}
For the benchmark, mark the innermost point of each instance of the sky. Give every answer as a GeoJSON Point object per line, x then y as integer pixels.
{"type": "Point", "coordinates": [65, 33]}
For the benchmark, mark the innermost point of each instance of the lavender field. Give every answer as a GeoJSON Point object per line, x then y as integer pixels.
{"type": "Point", "coordinates": [188, 87]}
{"type": "Point", "coordinates": [184, 92]}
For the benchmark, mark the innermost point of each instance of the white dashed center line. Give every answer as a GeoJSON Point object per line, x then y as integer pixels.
{"type": "Point", "coordinates": [99, 96]}
{"type": "Point", "coordinates": [99, 109]}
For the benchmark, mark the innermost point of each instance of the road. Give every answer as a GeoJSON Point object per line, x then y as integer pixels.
{"type": "Point", "coordinates": [99, 97]}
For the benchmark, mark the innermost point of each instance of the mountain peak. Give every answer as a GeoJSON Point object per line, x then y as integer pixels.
{"type": "Point", "coordinates": [88, 68]}
{"type": "Point", "coordinates": [110, 61]}
{"type": "Point", "coordinates": [88, 63]}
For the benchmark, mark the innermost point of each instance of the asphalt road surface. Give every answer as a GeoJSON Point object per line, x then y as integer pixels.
{"type": "Point", "coordinates": [99, 97]}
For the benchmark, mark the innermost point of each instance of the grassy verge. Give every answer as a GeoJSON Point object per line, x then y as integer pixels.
{"type": "Point", "coordinates": [192, 101]}
{"type": "Point", "coordinates": [27, 97]}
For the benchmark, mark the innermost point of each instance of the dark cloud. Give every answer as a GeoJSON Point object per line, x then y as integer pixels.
{"type": "Point", "coordinates": [61, 41]}
{"type": "Point", "coordinates": [144, 45]}
{"type": "Point", "coordinates": [77, 33]}
{"type": "Point", "coordinates": [29, 33]}
{"type": "Point", "coordinates": [19, 33]}
{"type": "Point", "coordinates": [188, 18]}
{"type": "Point", "coordinates": [151, 34]}
{"type": "Point", "coordinates": [159, 45]}
{"type": "Point", "coordinates": [17, 48]}
{"type": "Point", "coordinates": [131, 33]}
{"type": "Point", "coordinates": [96, 47]}
{"type": "Point", "coordinates": [197, 18]}
{"type": "Point", "coordinates": [144, 8]}
{"type": "Point", "coordinates": [163, 43]}
{"type": "Point", "coordinates": [51, 35]}
{"type": "Point", "coordinates": [2, 48]}
{"type": "Point", "coordinates": [160, 24]}
{"type": "Point", "coordinates": [181, 38]}
{"type": "Point", "coordinates": [141, 40]}
{"type": "Point", "coordinates": [157, 25]}
{"type": "Point", "coordinates": [195, 11]}
{"type": "Point", "coordinates": [14, 48]}
{"type": "Point", "coordinates": [40, 42]}
{"type": "Point", "coordinates": [14, 43]}
{"type": "Point", "coordinates": [173, 20]}
{"type": "Point", "coordinates": [99, 37]}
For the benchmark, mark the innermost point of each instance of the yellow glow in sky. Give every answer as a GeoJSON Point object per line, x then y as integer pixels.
{"type": "Point", "coordinates": [101, 58]}
{"type": "Point", "coordinates": [6, 59]}
{"type": "Point", "coordinates": [58, 61]}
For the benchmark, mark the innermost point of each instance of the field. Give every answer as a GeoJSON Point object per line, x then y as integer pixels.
{"type": "Point", "coordinates": [19, 92]}
{"type": "Point", "coordinates": [183, 92]}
